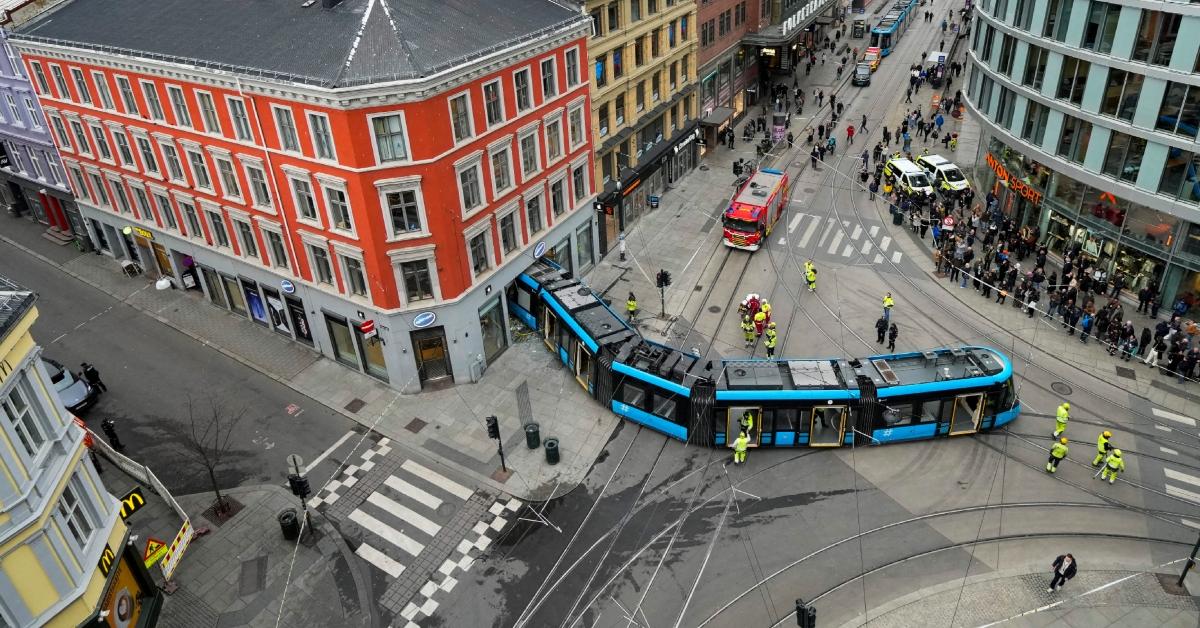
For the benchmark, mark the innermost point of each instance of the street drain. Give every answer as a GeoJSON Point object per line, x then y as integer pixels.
{"type": "Point", "coordinates": [1061, 388]}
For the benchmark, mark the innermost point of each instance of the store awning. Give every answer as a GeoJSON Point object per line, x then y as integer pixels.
{"type": "Point", "coordinates": [719, 116]}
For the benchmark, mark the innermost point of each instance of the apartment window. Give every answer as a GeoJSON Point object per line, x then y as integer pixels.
{"type": "Point", "coordinates": [554, 148]}
{"type": "Point", "coordinates": [60, 130]}
{"type": "Point", "coordinates": [179, 107]}
{"type": "Point", "coordinates": [572, 67]}
{"type": "Point", "coordinates": [72, 512]}
{"type": "Point", "coordinates": [1035, 67]}
{"type": "Point", "coordinates": [164, 207]}
{"type": "Point", "coordinates": [654, 82]}
{"type": "Point", "coordinates": [601, 75]}
{"type": "Point", "coordinates": [33, 163]}
{"type": "Point", "coordinates": [468, 186]}
{"type": "Point", "coordinates": [635, 10]}
{"type": "Point", "coordinates": [321, 269]}
{"type": "Point", "coordinates": [1179, 112]}
{"type": "Point", "coordinates": [672, 75]}
{"type": "Point", "coordinates": [598, 22]}
{"type": "Point", "coordinates": [241, 120]}
{"type": "Point", "coordinates": [39, 77]}
{"type": "Point", "coordinates": [171, 157]}
{"type": "Point", "coordinates": [258, 186]}
{"type": "Point", "coordinates": [579, 182]}
{"type": "Point", "coordinates": [229, 180]}
{"type": "Point", "coordinates": [216, 224]}
{"type": "Point", "coordinates": [1121, 94]}
{"type": "Point", "coordinates": [618, 65]}
{"type": "Point", "coordinates": [404, 212]}
{"type": "Point", "coordinates": [81, 188]}
{"type": "Point", "coordinates": [575, 117]}
{"type": "Point", "coordinates": [683, 28]}
{"type": "Point", "coordinates": [389, 138]}
{"type": "Point", "coordinates": [529, 155]}
{"type": "Point", "coordinates": [508, 232]}
{"type": "Point", "coordinates": [460, 116]}
{"type": "Point", "coordinates": [1024, 14]}
{"type": "Point", "coordinates": [1073, 142]}
{"type": "Point", "coordinates": [199, 170]}
{"type": "Point", "coordinates": [13, 110]}
{"type": "Point", "coordinates": [549, 79]}
{"type": "Point", "coordinates": [651, 7]}
{"type": "Point", "coordinates": [523, 89]}
{"type": "Point", "coordinates": [339, 208]}
{"type": "Point", "coordinates": [208, 112]}
{"type": "Point", "coordinates": [1124, 157]}
{"type": "Point", "coordinates": [106, 99]}
{"type": "Point", "coordinates": [80, 137]}
{"type": "Point", "coordinates": [1058, 18]}
{"type": "Point", "coordinates": [193, 219]}
{"type": "Point", "coordinates": [101, 190]}
{"type": "Point", "coordinates": [639, 55]}
{"type": "Point", "coordinates": [683, 68]}
{"type": "Point", "coordinates": [1073, 80]}
{"type": "Point", "coordinates": [285, 124]}
{"type": "Point", "coordinates": [127, 97]}
{"type": "Point", "coordinates": [614, 17]}
{"type": "Point", "coordinates": [1101, 26]}
{"type": "Point", "coordinates": [989, 35]}
{"type": "Point", "coordinates": [246, 237]}
{"type": "Point", "coordinates": [1178, 178]}
{"type": "Point", "coordinates": [558, 198]}
{"type": "Point", "coordinates": [671, 34]}
{"type": "Point", "coordinates": [356, 279]}
{"type": "Point", "coordinates": [534, 214]}
{"type": "Point", "coordinates": [60, 82]}
{"type": "Point", "coordinates": [618, 109]}
{"type": "Point", "coordinates": [318, 126]}
{"type": "Point", "coordinates": [493, 103]}
{"type": "Point", "coordinates": [55, 174]}
{"type": "Point", "coordinates": [279, 258]}
{"type": "Point", "coordinates": [101, 143]}
{"type": "Point", "coordinates": [152, 101]}
{"type": "Point", "coordinates": [24, 417]}
{"type": "Point", "coordinates": [640, 95]}
{"type": "Point", "coordinates": [1156, 36]}
{"type": "Point", "coordinates": [418, 284]}
{"type": "Point", "coordinates": [149, 161]}
{"type": "Point", "coordinates": [143, 203]}
{"type": "Point", "coordinates": [1004, 111]}
{"type": "Point", "coordinates": [306, 204]}
{"type": "Point", "coordinates": [501, 171]}
{"type": "Point", "coordinates": [81, 86]}
{"type": "Point", "coordinates": [479, 253]}
{"type": "Point", "coordinates": [32, 112]}
{"type": "Point", "coordinates": [123, 199]}
{"type": "Point", "coordinates": [15, 158]}
{"type": "Point", "coordinates": [1008, 50]}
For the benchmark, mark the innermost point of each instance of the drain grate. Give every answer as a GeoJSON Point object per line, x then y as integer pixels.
{"type": "Point", "coordinates": [415, 425]}
{"type": "Point", "coordinates": [355, 405]}
{"type": "Point", "coordinates": [1061, 388]}
{"type": "Point", "coordinates": [524, 407]}
{"type": "Point", "coordinates": [1127, 373]}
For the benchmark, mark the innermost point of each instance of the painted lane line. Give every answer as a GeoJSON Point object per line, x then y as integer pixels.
{"type": "Point", "coordinates": [867, 247]}
{"type": "Point", "coordinates": [437, 479]}
{"type": "Point", "coordinates": [874, 230]}
{"type": "Point", "coordinates": [795, 221]}
{"type": "Point", "coordinates": [878, 259]}
{"type": "Point", "coordinates": [325, 454]}
{"type": "Point", "coordinates": [885, 243]}
{"type": "Point", "coordinates": [1182, 477]}
{"type": "Point", "coordinates": [1168, 450]}
{"type": "Point", "coordinates": [808, 234]}
{"type": "Point", "coordinates": [1178, 418]}
{"type": "Point", "coordinates": [825, 234]}
{"type": "Point", "coordinates": [386, 532]}
{"type": "Point", "coordinates": [410, 491]}
{"type": "Point", "coordinates": [1190, 523]}
{"type": "Point", "coordinates": [837, 242]}
{"type": "Point", "coordinates": [404, 513]}
{"type": "Point", "coordinates": [380, 560]}
{"type": "Point", "coordinates": [1163, 428]}
{"type": "Point", "coordinates": [846, 252]}
{"type": "Point", "coordinates": [896, 257]}
{"type": "Point", "coordinates": [1175, 491]}
{"type": "Point", "coordinates": [857, 232]}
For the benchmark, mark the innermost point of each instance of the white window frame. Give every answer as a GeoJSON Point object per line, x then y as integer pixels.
{"type": "Point", "coordinates": [168, 210]}
{"type": "Point", "coordinates": [128, 99]}
{"type": "Point", "coordinates": [102, 143]}
{"type": "Point", "coordinates": [103, 91]}
{"type": "Point", "coordinates": [81, 85]}
{"type": "Point", "coordinates": [100, 195]}
{"type": "Point", "coordinates": [194, 220]}
{"type": "Point", "coordinates": [483, 226]}
{"type": "Point", "coordinates": [165, 142]}
{"type": "Point", "coordinates": [33, 164]}
{"type": "Point", "coordinates": [572, 141]}
{"type": "Point", "coordinates": [61, 133]}
{"type": "Point", "coordinates": [577, 200]}
{"type": "Point", "coordinates": [247, 166]}
{"type": "Point", "coordinates": [238, 222]}
{"type": "Point", "coordinates": [397, 186]}
{"type": "Point", "coordinates": [189, 149]}
{"type": "Point", "coordinates": [555, 119]}
{"type": "Point", "coordinates": [553, 61]}
{"type": "Point", "coordinates": [276, 111]}
{"type": "Point", "coordinates": [573, 79]}
{"type": "Point", "coordinates": [294, 176]}
{"type": "Point", "coordinates": [503, 114]}
{"type": "Point", "coordinates": [426, 253]}
{"type": "Point", "coordinates": [183, 117]}
{"type": "Point", "coordinates": [33, 419]}
{"type": "Point", "coordinates": [211, 126]}
{"type": "Point", "coordinates": [342, 252]}
{"type": "Point", "coordinates": [208, 210]}
{"type": "Point", "coordinates": [56, 175]}
{"type": "Point", "coordinates": [504, 144]}
{"type": "Point", "coordinates": [83, 509]}
{"type": "Point", "coordinates": [268, 227]}
{"type": "Point", "coordinates": [120, 196]}
{"type": "Point", "coordinates": [519, 231]}
{"type": "Point", "coordinates": [375, 141]}
{"type": "Point", "coordinates": [223, 156]}
{"type": "Point", "coordinates": [14, 112]}
{"type": "Point", "coordinates": [313, 241]}
{"type": "Point", "coordinates": [530, 132]}
{"type": "Point", "coordinates": [474, 160]}
{"type": "Point", "coordinates": [153, 101]}
{"type": "Point", "coordinates": [32, 110]}
{"type": "Point", "coordinates": [245, 134]}
{"type": "Point", "coordinates": [310, 116]}
{"type": "Point", "coordinates": [40, 82]}
{"type": "Point", "coordinates": [332, 184]}
{"type": "Point", "coordinates": [141, 200]}
{"type": "Point", "coordinates": [528, 71]}
{"type": "Point", "coordinates": [140, 137]}
{"type": "Point", "coordinates": [537, 192]}
{"type": "Point", "coordinates": [60, 82]}
{"type": "Point", "coordinates": [470, 117]}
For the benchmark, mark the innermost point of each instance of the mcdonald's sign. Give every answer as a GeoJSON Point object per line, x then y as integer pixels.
{"type": "Point", "coordinates": [132, 502]}
{"type": "Point", "coordinates": [106, 560]}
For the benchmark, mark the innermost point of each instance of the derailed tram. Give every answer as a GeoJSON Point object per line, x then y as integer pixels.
{"type": "Point", "coordinates": [795, 403]}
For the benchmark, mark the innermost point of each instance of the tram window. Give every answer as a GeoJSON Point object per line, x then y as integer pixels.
{"type": "Point", "coordinates": [927, 412]}
{"type": "Point", "coordinates": [633, 395]}
{"type": "Point", "coordinates": [901, 414]}
{"type": "Point", "coordinates": [785, 419]}
{"type": "Point", "coordinates": [766, 421]}
{"type": "Point", "coordinates": [664, 406]}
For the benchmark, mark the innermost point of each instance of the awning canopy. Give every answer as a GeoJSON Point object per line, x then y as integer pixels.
{"type": "Point", "coordinates": [718, 116]}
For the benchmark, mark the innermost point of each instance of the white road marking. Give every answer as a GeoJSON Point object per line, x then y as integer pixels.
{"type": "Point", "coordinates": [885, 243]}
{"type": "Point", "coordinates": [410, 491]}
{"type": "Point", "coordinates": [1178, 418]}
{"type": "Point", "coordinates": [380, 560]}
{"type": "Point", "coordinates": [878, 259]}
{"type": "Point", "coordinates": [795, 221]}
{"type": "Point", "coordinates": [825, 235]}
{"type": "Point", "coordinates": [837, 241]}
{"type": "Point", "coordinates": [896, 257]}
{"type": "Point", "coordinates": [405, 513]}
{"type": "Point", "coordinates": [1163, 428]}
{"type": "Point", "coordinates": [1175, 491]}
{"type": "Point", "coordinates": [857, 232]}
{"type": "Point", "coordinates": [1190, 523]}
{"type": "Point", "coordinates": [386, 532]}
{"type": "Point", "coordinates": [437, 479]}
{"type": "Point", "coordinates": [1182, 477]}
{"type": "Point", "coordinates": [325, 454]}
{"type": "Point", "coordinates": [808, 234]}
{"type": "Point", "coordinates": [867, 247]}
{"type": "Point", "coordinates": [846, 252]}
{"type": "Point", "coordinates": [1167, 450]}
{"type": "Point", "coordinates": [874, 230]}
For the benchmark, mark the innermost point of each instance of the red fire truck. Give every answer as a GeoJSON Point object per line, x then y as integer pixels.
{"type": "Point", "coordinates": [755, 210]}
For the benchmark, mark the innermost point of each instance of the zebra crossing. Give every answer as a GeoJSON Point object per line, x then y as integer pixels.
{"type": "Point", "coordinates": [847, 239]}
{"type": "Point", "coordinates": [1178, 484]}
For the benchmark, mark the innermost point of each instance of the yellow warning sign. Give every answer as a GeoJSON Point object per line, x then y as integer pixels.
{"type": "Point", "coordinates": [155, 550]}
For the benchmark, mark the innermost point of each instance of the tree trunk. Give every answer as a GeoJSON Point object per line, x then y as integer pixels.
{"type": "Point", "coordinates": [221, 507]}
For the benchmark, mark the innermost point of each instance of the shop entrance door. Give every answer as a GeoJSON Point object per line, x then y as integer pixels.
{"type": "Point", "coordinates": [966, 413]}
{"type": "Point", "coordinates": [433, 362]}
{"type": "Point", "coordinates": [163, 259]}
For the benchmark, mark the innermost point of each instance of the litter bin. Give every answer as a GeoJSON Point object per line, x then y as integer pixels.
{"type": "Point", "coordinates": [289, 523]}
{"type": "Point", "coordinates": [552, 450]}
{"type": "Point", "coordinates": [533, 435]}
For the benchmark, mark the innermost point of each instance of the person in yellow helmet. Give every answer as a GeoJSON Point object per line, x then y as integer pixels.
{"type": "Point", "coordinates": [1058, 451]}
{"type": "Point", "coordinates": [810, 276]}
{"type": "Point", "coordinates": [739, 448]}
{"type": "Point", "coordinates": [760, 322]}
{"type": "Point", "coordinates": [631, 306]}
{"type": "Point", "coordinates": [1114, 466]}
{"type": "Point", "coordinates": [765, 308]}
{"type": "Point", "coordinates": [772, 340]}
{"type": "Point", "coordinates": [1102, 447]}
{"type": "Point", "coordinates": [1060, 419]}
{"type": "Point", "coordinates": [888, 304]}
{"type": "Point", "coordinates": [748, 330]}
{"type": "Point", "coordinates": [746, 423]}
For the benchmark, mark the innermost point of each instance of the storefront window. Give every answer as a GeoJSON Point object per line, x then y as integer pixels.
{"type": "Point", "coordinates": [1179, 176]}
{"type": "Point", "coordinates": [583, 239]}
{"type": "Point", "coordinates": [1103, 211]}
{"type": "Point", "coordinates": [1067, 193]}
{"type": "Point", "coordinates": [1139, 267]}
{"type": "Point", "coordinates": [343, 340]}
{"type": "Point", "coordinates": [561, 253]}
{"type": "Point", "coordinates": [372, 352]}
{"type": "Point", "coordinates": [491, 323]}
{"type": "Point", "coordinates": [1191, 242]}
{"type": "Point", "coordinates": [1151, 228]}
{"type": "Point", "coordinates": [1057, 230]}
{"type": "Point", "coordinates": [237, 302]}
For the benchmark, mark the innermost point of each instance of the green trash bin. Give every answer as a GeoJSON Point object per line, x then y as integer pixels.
{"type": "Point", "coordinates": [533, 435]}
{"type": "Point", "coordinates": [552, 450]}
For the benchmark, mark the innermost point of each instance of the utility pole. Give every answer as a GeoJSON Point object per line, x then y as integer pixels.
{"type": "Point", "coordinates": [662, 280]}
{"type": "Point", "coordinates": [299, 485]}
{"type": "Point", "coordinates": [493, 432]}
{"type": "Point", "coordinates": [1191, 561]}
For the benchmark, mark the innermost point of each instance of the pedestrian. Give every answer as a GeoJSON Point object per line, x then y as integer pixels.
{"type": "Point", "coordinates": [760, 323]}
{"type": "Point", "coordinates": [772, 339]}
{"type": "Point", "coordinates": [630, 303]}
{"type": "Point", "coordinates": [746, 424]}
{"type": "Point", "coordinates": [863, 127]}
{"type": "Point", "coordinates": [1058, 451]}
{"type": "Point", "coordinates": [888, 304]}
{"type": "Point", "coordinates": [1103, 446]}
{"type": "Point", "coordinates": [1061, 416]}
{"type": "Point", "coordinates": [908, 95]}
{"type": "Point", "coordinates": [892, 333]}
{"type": "Point", "coordinates": [821, 151]}
{"type": "Point", "coordinates": [849, 133]}
{"type": "Point", "coordinates": [881, 329]}
{"type": "Point", "coordinates": [1157, 350]}
{"type": "Point", "coordinates": [110, 430]}
{"type": "Point", "coordinates": [739, 448]}
{"type": "Point", "coordinates": [1113, 467]}
{"type": "Point", "coordinates": [810, 276]}
{"type": "Point", "coordinates": [748, 330]}
{"type": "Point", "coordinates": [93, 377]}
{"type": "Point", "coordinates": [887, 139]}
{"type": "Point", "coordinates": [813, 155]}
{"type": "Point", "coordinates": [1064, 569]}
{"type": "Point", "coordinates": [790, 139]}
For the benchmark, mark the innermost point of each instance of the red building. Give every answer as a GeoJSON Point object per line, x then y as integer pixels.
{"type": "Point", "coordinates": [368, 160]}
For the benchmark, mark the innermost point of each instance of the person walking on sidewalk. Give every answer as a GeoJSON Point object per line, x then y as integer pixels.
{"type": "Point", "coordinates": [1060, 418]}
{"type": "Point", "coordinates": [849, 134]}
{"type": "Point", "coordinates": [892, 333]}
{"type": "Point", "coordinates": [1064, 569]}
{"type": "Point", "coordinates": [1113, 467]}
{"type": "Point", "coordinates": [109, 427]}
{"type": "Point", "coordinates": [1058, 451]}
{"type": "Point", "coordinates": [1103, 446]}
{"type": "Point", "coordinates": [888, 304]}
{"type": "Point", "coordinates": [93, 377]}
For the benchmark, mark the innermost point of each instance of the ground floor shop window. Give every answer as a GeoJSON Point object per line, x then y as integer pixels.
{"type": "Point", "coordinates": [372, 352]}
{"type": "Point", "coordinates": [237, 301]}
{"type": "Point", "coordinates": [216, 293]}
{"type": "Point", "coordinates": [254, 301]}
{"type": "Point", "coordinates": [342, 339]}
{"type": "Point", "coordinates": [561, 254]}
{"type": "Point", "coordinates": [583, 240]}
{"type": "Point", "coordinates": [299, 320]}
{"type": "Point", "coordinates": [101, 240]}
{"type": "Point", "coordinates": [491, 324]}
{"type": "Point", "coordinates": [277, 312]}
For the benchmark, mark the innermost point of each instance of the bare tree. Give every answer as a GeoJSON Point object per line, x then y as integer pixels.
{"type": "Point", "coordinates": [212, 424]}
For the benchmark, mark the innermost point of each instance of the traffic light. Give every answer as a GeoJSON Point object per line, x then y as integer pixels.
{"type": "Point", "coordinates": [493, 427]}
{"type": "Point", "coordinates": [662, 279]}
{"type": "Point", "coordinates": [299, 485]}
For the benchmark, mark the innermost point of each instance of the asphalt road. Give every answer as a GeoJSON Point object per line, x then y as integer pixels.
{"type": "Point", "coordinates": [151, 370]}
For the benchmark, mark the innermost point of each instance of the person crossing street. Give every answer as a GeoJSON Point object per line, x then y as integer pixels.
{"type": "Point", "coordinates": [739, 448]}
{"type": "Point", "coordinates": [772, 339]}
{"type": "Point", "coordinates": [760, 322]}
{"type": "Point", "coordinates": [881, 328]}
{"type": "Point", "coordinates": [1113, 467]}
{"type": "Point", "coordinates": [631, 306]}
{"type": "Point", "coordinates": [810, 276]}
{"type": "Point", "coordinates": [892, 333]}
{"type": "Point", "coordinates": [1060, 419]}
{"type": "Point", "coordinates": [1103, 445]}
{"type": "Point", "coordinates": [888, 304]}
{"type": "Point", "coordinates": [1058, 451]}
{"type": "Point", "coordinates": [748, 330]}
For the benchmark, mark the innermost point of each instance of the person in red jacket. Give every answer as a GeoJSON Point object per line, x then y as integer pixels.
{"type": "Point", "coordinates": [850, 134]}
{"type": "Point", "coordinates": [1064, 569]}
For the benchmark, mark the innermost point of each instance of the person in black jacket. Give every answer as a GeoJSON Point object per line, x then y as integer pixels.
{"type": "Point", "coordinates": [881, 328]}
{"type": "Point", "coordinates": [1064, 569]}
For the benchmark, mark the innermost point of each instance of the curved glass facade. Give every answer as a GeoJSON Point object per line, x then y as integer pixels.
{"type": "Point", "coordinates": [1090, 112]}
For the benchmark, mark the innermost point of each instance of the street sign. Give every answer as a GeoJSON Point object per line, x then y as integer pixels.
{"type": "Point", "coordinates": [424, 319]}
{"type": "Point", "coordinates": [155, 550]}
{"type": "Point", "coordinates": [539, 249]}
{"type": "Point", "coordinates": [287, 286]}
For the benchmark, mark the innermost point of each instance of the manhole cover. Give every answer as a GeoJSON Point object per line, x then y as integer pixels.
{"type": "Point", "coordinates": [1061, 388]}
{"type": "Point", "coordinates": [810, 190]}
{"type": "Point", "coordinates": [714, 309]}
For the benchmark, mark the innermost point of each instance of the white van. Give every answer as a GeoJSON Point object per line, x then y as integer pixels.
{"type": "Point", "coordinates": [908, 177]}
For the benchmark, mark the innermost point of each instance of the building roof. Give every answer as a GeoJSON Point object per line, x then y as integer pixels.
{"type": "Point", "coordinates": [15, 301]}
{"type": "Point", "coordinates": [357, 42]}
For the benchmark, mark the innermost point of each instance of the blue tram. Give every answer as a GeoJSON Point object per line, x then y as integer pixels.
{"type": "Point", "coordinates": [827, 402]}
{"type": "Point", "coordinates": [886, 34]}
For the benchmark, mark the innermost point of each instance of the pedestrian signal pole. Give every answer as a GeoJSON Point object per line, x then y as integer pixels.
{"type": "Point", "coordinates": [662, 280]}
{"type": "Point", "coordinates": [1191, 561]}
{"type": "Point", "coordinates": [298, 482]}
{"type": "Point", "coordinates": [493, 432]}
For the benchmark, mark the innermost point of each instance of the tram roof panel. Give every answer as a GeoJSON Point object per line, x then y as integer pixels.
{"type": "Point", "coordinates": [930, 366]}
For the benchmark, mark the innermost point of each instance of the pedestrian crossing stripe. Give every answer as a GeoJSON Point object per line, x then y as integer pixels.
{"type": "Point", "coordinates": [1178, 418]}
{"type": "Point", "coordinates": [842, 238]}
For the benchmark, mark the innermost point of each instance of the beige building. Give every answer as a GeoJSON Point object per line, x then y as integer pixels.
{"type": "Point", "coordinates": [643, 72]}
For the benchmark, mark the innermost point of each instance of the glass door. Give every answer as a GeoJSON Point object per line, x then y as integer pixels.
{"type": "Point", "coordinates": [432, 362]}
{"type": "Point", "coordinates": [583, 366]}
{"type": "Point", "coordinates": [550, 329]}
{"type": "Point", "coordinates": [827, 427]}
{"type": "Point", "coordinates": [216, 293]}
{"type": "Point", "coordinates": [372, 352]}
{"type": "Point", "coordinates": [277, 312]}
{"type": "Point", "coordinates": [967, 410]}
{"type": "Point", "coordinates": [343, 340]}
{"type": "Point", "coordinates": [237, 301]}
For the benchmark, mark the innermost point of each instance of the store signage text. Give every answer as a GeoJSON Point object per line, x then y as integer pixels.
{"type": "Point", "coordinates": [132, 502]}
{"type": "Point", "coordinates": [143, 233]}
{"type": "Point", "coordinates": [424, 319]}
{"type": "Point", "coordinates": [1020, 187]}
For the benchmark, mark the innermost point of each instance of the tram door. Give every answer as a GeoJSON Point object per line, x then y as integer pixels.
{"type": "Point", "coordinates": [733, 424]}
{"type": "Point", "coordinates": [967, 411]}
{"type": "Point", "coordinates": [828, 426]}
{"type": "Point", "coordinates": [583, 366]}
